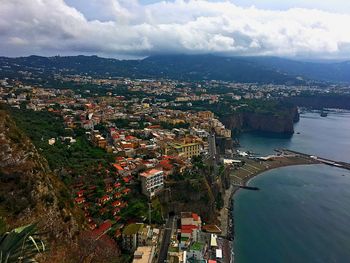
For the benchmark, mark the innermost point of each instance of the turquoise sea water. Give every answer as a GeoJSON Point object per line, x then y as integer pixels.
{"type": "Point", "coordinates": [301, 213]}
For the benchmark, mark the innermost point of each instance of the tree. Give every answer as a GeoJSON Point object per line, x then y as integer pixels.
{"type": "Point", "coordinates": [20, 245]}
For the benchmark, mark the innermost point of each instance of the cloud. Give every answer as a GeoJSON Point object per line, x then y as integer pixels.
{"type": "Point", "coordinates": [126, 28]}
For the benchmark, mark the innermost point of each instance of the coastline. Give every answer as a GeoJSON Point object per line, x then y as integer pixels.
{"type": "Point", "coordinates": [242, 175]}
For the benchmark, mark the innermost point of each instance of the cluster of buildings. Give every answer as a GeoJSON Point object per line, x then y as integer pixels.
{"type": "Point", "coordinates": [192, 242]}
{"type": "Point", "coordinates": [150, 140]}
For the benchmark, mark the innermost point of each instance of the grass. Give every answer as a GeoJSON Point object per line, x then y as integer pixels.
{"type": "Point", "coordinates": [132, 229]}
{"type": "Point", "coordinates": [197, 246]}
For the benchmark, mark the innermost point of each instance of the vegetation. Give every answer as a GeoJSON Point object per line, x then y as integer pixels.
{"type": "Point", "coordinates": [20, 245]}
{"type": "Point", "coordinates": [169, 126]}
{"type": "Point", "coordinates": [229, 106]}
{"type": "Point", "coordinates": [77, 158]}
{"type": "Point", "coordinates": [182, 67]}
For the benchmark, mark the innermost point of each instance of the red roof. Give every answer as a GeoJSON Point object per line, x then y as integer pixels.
{"type": "Point", "coordinates": [105, 198]}
{"type": "Point", "coordinates": [118, 167]}
{"type": "Point", "coordinates": [166, 165]}
{"type": "Point", "coordinates": [117, 195]}
{"type": "Point", "coordinates": [106, 225]}
{"type": "Point", "coordinates": [154, 127]}
{"type": "Point", "coordinates": [187, 228]}
{"type": "Point", "coordinates": [116, 203]}
{"type": "Point", "coordinates": [126, 179]}
{"type": "Point", "coordinates": [126, 191]}
{"type": "Point", "coordinates": [80, 199]}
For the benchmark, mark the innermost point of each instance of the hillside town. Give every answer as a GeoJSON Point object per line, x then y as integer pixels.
{"type": "Point", "coordinates": [149, 136]}
{"type": "Point", "coordinates": [149, 144]}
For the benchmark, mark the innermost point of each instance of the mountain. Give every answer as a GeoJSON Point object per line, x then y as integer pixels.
{"type": "Point", "coordinates": [321, 70]}
{"type": "Point", "coordinates": [184, 67]}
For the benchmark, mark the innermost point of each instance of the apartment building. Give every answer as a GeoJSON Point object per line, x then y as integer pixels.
{"type": "Point", "coordinates": [152, 181]}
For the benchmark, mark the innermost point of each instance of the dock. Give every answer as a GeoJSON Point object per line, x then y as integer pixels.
{"type": "Point", "coordinates": [246, 187]}
{"type": "Point", "coordinates": [339, 164]}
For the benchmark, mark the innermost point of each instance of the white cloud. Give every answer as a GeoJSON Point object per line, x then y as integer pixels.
{"type": "Point", "coordinates": [126, 28]}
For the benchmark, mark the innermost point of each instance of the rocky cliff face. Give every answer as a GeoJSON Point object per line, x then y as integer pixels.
{"type": "Point", "coordinates": [252, 121]}
{"type": "Point", "coordinates": [30, 192]}
{"type": "Point", "coordinates": [190, 195]}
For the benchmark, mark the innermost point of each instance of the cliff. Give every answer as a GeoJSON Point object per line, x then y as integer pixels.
{"type": "Point", "coordinates": [30, 192]}
{"type": "Point", "coordinates": [193, 195]}
{"type": "Point", "coordinates": [274, 122]}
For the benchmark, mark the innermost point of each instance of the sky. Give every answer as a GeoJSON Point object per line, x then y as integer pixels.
{"type": "Point", "coordinates": [312, 29]}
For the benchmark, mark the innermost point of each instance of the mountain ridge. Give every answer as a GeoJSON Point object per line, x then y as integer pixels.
{"type": "Point", "coordinates": [264, 70]}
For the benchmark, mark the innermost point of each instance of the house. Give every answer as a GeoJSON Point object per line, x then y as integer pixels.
{"type": "Point", "coordinates": [117, 195]}
{"type": "Point", "coordinates": [116, 203]}
{"type": "Point", "coordinates": [190, 229]}
{"type": "Point", "coordinates": [80, 200]}
{"type": "Point", "coordinates": [189, 218]}
{"type": "Point", "coordinates": [104, 199]}
{"type": "Point", "coordinates": [80, 193]}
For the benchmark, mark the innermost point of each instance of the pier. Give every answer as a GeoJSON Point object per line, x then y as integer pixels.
{"type": "Point", "coordinates": [338, 164]}
{"type": "Point", "coordinates": [246, 187]}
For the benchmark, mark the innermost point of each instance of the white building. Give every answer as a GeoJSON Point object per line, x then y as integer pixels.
{"type": "Point", "coordinates": [152, 181]}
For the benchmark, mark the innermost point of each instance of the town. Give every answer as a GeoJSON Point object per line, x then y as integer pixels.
{"type": "Point", "coordinates": [146, 138]}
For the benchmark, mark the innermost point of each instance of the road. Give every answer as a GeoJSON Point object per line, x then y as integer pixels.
{"type": "Point", "coordinates": [166, 240]}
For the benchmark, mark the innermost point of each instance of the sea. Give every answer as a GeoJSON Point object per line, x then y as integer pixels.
{"type": "Point", "coordinates": [301, 213]}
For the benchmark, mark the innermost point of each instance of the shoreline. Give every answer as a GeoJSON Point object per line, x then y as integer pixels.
{"type": "Point", "coordinates": [242, 175]}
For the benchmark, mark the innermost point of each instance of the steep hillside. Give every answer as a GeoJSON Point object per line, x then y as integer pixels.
{"type": "Point", "coordinates": [30, 192]}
